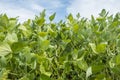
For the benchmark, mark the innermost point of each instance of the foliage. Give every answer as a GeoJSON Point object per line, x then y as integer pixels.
{"type": "Point", "coordinates": [74, 49]}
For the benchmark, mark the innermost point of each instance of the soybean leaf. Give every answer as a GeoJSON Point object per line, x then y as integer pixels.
{"type": "Point", "coordinates": [11, 38]}
{"type": "Point", "coordinates": [5, 49]}
{"type": "Point", "coordinates": [93, 47]}
{"type": "Point", "coordinates": [45, 44]}
{"type": "Point", "coordinates": [117, 59]}
{"type": "Point", "coordinates": [82, 64]}
{"type": "Point", "coordinates": [101, 48]}
{"type": "Point", "coordinates": [88, 72]}
{"type": "Point", "coordinates": [70, 17]}
{"type": "Point", "coordinates": [44, 77]}
{"type": "Point", "coordinates": [52, 17]}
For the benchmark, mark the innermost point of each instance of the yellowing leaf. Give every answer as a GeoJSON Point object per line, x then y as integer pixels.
{"type": "Point", "coordinates": [4, 49]}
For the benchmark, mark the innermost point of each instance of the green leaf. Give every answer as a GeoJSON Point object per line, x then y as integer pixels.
{"type": "Point", "coordinates": [78, 15]}
{"type": "Point", "coordinates": [82, 64]}
{"type": "Point", "coordinates": [44, 77]}
{"type": "Point", "coordinates": [101, 48]}
{"type": "Point", "coordinates": [11, 38]}
{"type": "Point", "coordinates": [101, 77]}
{"type": "Point", "coordinates": [40, 21]}
{"type": "Point", "coordinates": [118, 42]}
{"type": "Point", "coordinates": [42, 14]}
{"type": "Point", "coordinates": [52, 17]}
{"type": "Point", "coordinates": [97, 68]}
{"type": "Point", "coordinates": [66, 41]}
{"type": "Point", "coordinates": [103, 12]}
{"type": "Point", "coordinates": [75, 28]}
{"type": "Point", "coordinates": [22, 27]}
{"type": "Point", "coordinates": [24, 78]}
{"type": "Point", "coordinates": [5, 49]}
{"type": "Point", "coordinates": [43, 71]}
{"type": "Point", "coordinates": [3, 61]}
{"type": "Point", "coordinates": [4, 21]}
{"type": "Point", "coordinates": [93, 47]}
{"type": "Point", "coordinates": [70, 17]}
{"type": "Point", "coordinates": [18, 46]}
{"type": "Point", "coordinates": [45, 44]}
{"type": "Point", "coordinates": [117, 59]}
{"type": "Point", "coordinates": [33, 64]}
{"type": "Point", "coordinates": [51, 32]}
{"type": "Point", "coordinates": [42, 34]}
{"type": "Point", "coordinates": [92, 19]}
{"type": "Point", "coordinates": [4, 74]}
{"type": "Point", "coordinates": [88, 72]}
{"type": "Point", "coordinates": [100, 18]}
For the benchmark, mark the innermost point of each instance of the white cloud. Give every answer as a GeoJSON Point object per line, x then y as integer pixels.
{"type": "Point", "coordinates": [52, 4]}
{"type": "Point", "coordinates": [56, 4]}
{"type": "Point", "coordinates": [23, 13]}
{"type": "Point", "coordinates": [28, 9]}
{"type": "Point", "coordinates": [37, 7]}
{"type": "Point", "coordinates": [88, 7]}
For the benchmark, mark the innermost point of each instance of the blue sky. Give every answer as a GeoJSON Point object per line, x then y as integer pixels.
{"type": "Point", "coordinates": [26, 9]}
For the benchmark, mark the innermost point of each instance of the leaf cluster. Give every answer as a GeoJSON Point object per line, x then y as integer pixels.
{"type": "Point", "coordinates": [74, 49]}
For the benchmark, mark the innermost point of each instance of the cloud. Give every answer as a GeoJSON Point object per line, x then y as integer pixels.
{"type": "Point", "coordinates": [51, 4]}
{"type": "Point", "coordinates": [27, 9]}
{"type": "Point", "coordinates": [17, 9]}
{"type": "Point", "coordinates": [88, 7]}
{"type": "Point", "coordinates": [37, 7]}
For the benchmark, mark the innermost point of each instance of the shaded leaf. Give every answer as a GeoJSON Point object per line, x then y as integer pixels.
{"type": "Point", "coordinates": [52, 17]}
{"type": "Point", "coordinates": [70, 17]}
{"type": "Point", "coordinates": [44, 77]}
{"type": "Point", "coordinates": [117, 59]}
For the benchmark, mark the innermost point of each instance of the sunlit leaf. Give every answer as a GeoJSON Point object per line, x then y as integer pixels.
{"type": "Point", "coordinates": [11, 38]}
{"type": "Point", "coordinates": [93, 47]}
{"type": "Point", "coordinates": [5, 49]}
{"type": "Point", "coordinates": [100, 48]}
{"type": "Point", "coordinates": [22, 27]}
{"type": "Point", "coordinates": [42, 34]}
{"type": "Point", "coordinates": [4, 74]}
{"type": "Point", "coordinates": [88, 72]}
{"type": "Point", "coordinates": [45, 44]}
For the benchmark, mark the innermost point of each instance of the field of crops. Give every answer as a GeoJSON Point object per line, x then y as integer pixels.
{"type": "Point", "coordinates": [74, 49]}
